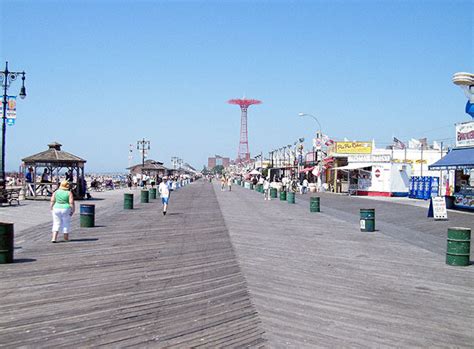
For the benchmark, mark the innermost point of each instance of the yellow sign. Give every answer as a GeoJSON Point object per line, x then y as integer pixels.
{"type": "Point", "coordinates": [354, 147]}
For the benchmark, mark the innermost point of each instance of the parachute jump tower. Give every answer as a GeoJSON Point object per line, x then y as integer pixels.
{"type": "Point", "coordinates": [243, 154]}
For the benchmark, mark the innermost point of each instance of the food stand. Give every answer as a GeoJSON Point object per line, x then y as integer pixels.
{"type": "Point", "coordinates": [459, 163]}
{"type": "Point", "coordinates": [377, 175]}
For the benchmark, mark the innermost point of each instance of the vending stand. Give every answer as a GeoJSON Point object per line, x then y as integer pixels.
{"type": "Point", "coordinates": [459, 163]}
{"type": "Point", "coordinates": [377, 175]}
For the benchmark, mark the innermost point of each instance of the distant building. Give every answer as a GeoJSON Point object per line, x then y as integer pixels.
{"type": "Point", "coordinates": [217, 161]}
{"type": "Point", "coordinates": [151, 168]}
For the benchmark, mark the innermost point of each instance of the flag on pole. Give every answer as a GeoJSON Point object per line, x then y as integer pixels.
{"type": "Point", "coordinates": [398, 144]}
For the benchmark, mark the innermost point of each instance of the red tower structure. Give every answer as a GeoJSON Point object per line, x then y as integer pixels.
{"type": "Point", "coordinates": [243, 153]}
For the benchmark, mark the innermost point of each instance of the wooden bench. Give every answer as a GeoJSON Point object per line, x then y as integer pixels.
{"type": "Point", "coordinates": [10, 196]}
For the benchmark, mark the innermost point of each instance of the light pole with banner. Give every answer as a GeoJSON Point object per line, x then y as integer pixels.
{"type": "Point", "coordinates": [317, 145]}
{"type": "Point", "coordinates": [8, 112]}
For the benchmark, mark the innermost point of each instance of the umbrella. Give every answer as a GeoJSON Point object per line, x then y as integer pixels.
{"type": "Point", "coordinates": [255, 172]}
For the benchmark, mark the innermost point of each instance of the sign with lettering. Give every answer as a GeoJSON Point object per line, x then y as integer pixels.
{"type": "Point", "coordinates": [368, 158]}
{"type": "Point", "coordinates": [354, 147]}
{"type": "Point", "coordinates": [439, 208]}
{"type": "Point", "coordinates": [465, 134]}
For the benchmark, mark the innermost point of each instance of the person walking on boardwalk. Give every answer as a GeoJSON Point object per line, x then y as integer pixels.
{"type": "Point", "coordinates": [266, 189]}
{"type": "Point", "coordinates": [223, 183]}
{"type": "Point", "coordinates": [164, 191]}
{"type": "Point", "coordinates": [229, 183]}
{"type": "Point", "coordinates": [62, 208]}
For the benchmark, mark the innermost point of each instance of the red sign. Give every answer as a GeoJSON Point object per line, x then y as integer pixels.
{"type": "Point", "coordinates": [377, 173]}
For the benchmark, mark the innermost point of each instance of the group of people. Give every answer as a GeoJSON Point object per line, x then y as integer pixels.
{"type": "Point", "coordinates": [62, 203]}
{"type": "Point", "coordinates": [226, 181]}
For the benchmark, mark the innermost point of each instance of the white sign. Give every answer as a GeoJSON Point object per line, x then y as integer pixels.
{"type": "Point", "coordinates": [368, 158]}
{"type": "Point", "coordinates": [439, 208]}
{"type": "Point", "coordinates": [465, 134]}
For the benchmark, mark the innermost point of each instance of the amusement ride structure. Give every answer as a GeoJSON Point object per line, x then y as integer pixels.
{"type": "Point", "coordinates": [243, 154]}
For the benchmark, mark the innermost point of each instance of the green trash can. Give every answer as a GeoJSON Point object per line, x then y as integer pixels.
{"type": "Point", "coordinates": [367, 219]}
{"type": "Point", "coordinates": [314, 204]}
{"type": "Point", "coordinates": [128, 201]}
{"type": "Point", "coordinates": [459, 246]}
{"type": "Point", "coordinates": [87, 219]}
{"type": "Point", "coordinates": [152, 194]}
{"type": "Point", "coordinates": [273, 193]}
{"type": "Point", "coordinates": [290, 197]}
{"type": "Point", "coordinates": [6, 243]}
{"type": "Point", "coordinates": [145, 197]}
{"type": "Point", "coordinates": [283, 195]}
{"type": "Point", "coordinates": [251, 186]}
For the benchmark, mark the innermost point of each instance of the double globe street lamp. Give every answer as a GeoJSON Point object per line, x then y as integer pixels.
{"type": "Point", "coordinates": [6, 78]}
{"type": "Point", "coordinates": [319, 136]}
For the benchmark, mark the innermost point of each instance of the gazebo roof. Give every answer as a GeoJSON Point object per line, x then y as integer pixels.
{"type": "Point", "coordinates": [150, 165]}
{"type": "Point", "coordinates": [54, 155]}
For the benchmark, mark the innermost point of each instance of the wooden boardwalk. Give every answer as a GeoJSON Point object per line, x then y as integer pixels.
{"type": "Point", "coordinates": [317, 281]}
{"type": "Point", "coordinates": [138, 279]}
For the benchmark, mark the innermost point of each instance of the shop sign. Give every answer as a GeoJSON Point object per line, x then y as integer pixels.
{"type": "Point", "coordinates": [368, 158]}
{"type": "Point", "coordinates": [439, 208]}
{"type": "Point", "coordinates": [465, 134]}
{"type": "Point", "coordinates": [377, 173]}
{"type": "Point", "coordinates": [354, 147]}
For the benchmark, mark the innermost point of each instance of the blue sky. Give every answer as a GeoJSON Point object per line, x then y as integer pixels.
{"type": "Point", "coordinates": [103, 74]}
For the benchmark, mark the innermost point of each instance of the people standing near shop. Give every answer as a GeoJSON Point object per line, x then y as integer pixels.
{"type": "Point", "coordinates": [284, 183]}
{"type": "Point", "coordinates": [62, 208]}
{"type": "Point", "coordinates": [164, 191]}
{"type": "Point", "coordinates": [266, 188]}
{"type": "Point", "coordinates": [304, 186]}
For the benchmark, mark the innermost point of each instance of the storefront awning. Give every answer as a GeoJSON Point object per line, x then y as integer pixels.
{"type": "Point", "coordinates": [353, 166]}
{"type": "Point", "coordinates": [307, 169]}
{"type": "Point", "coordinates": [456, 159]}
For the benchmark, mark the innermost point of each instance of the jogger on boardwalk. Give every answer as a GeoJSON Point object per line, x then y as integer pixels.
{"type": "Point", "coordinates": [164, 191]}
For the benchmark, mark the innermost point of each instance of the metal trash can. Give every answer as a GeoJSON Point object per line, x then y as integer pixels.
{"type": "Point", "coordinates": [367, 219]}
{"type": "Point", "coordinates": [283, 195]}
{"type": "Point", "coordinates": [314, 204]}
{"type": "Point", "coordinates": [6, 243]}
{"type": "Point", "coordinates": [459, 246]}
{"type": "Point", "coordinates": [152, 193]}
{"type": "Point", "coordinates": [145, 196]}
{"type": "Point", "coordinates": [290, 197]}
{"type": "Point", "coordinates": [87, 216]}
{"type": "Point", "coordinates": [273, 193]}
{"type": "Point", "coordinates": [128, 201]}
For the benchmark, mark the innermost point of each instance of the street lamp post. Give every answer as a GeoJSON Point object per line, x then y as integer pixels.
{"type": "Point", "coordinates": [6, 78]}
{"type": "Point", "coordinates": [142, 146]}
{"type": "Point", "coordinates": [319, 136]}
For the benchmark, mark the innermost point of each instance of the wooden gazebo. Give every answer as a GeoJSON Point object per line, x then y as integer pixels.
{"type": "Point", "coordinates": [54, 160]}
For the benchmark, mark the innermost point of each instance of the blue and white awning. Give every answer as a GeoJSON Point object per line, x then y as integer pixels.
{"type": "Point", "coordinates": [456, 159]}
